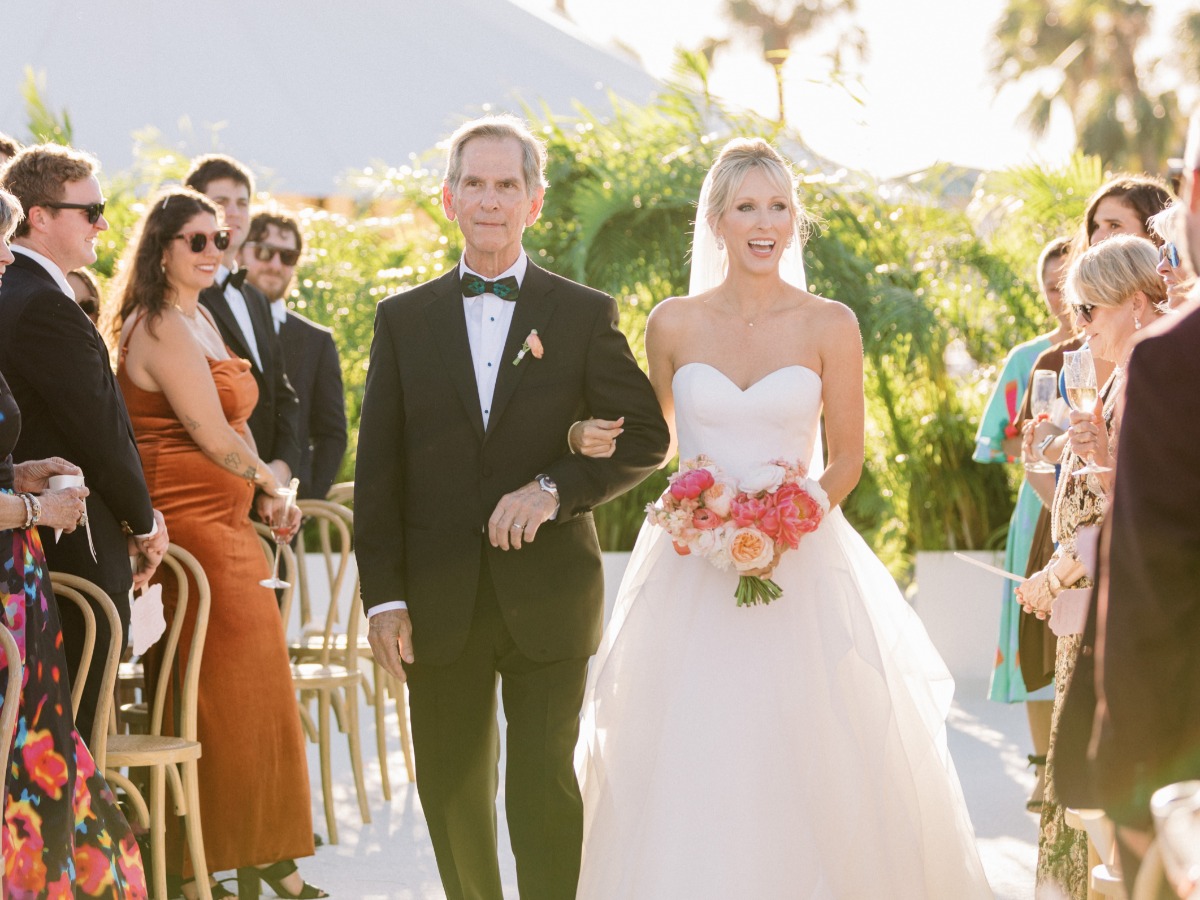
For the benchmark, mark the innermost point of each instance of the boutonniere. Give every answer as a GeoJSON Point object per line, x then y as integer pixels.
{"type": "Point", "coordinates": [533, 344]}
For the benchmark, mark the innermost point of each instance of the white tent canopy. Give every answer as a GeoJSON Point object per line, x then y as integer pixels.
{"type": "Point", "coordinates": [302, 91]}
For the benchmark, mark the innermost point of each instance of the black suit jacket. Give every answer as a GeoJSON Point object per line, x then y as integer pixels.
{"type": "Point", "coordinates": [311, 359]}
{"type": "Point", "coordinates": [429, 474]}
{"type": "Point", "coordinates": [59, 371]}
{"type": "Point", "coordinates": [275, 420]}
{"type": "Point", "coordinates": [1131, 718]}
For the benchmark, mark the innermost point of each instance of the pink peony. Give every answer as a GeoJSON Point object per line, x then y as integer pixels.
{"type": "Point", "coordinates": [706, 520]}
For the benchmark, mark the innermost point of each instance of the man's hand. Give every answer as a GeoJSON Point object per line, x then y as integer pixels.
{"type": "Point", "coordinates": [390, 634]}
{"type": "Point", "coordinates": [149, 552]}
{"type": "Point", "coordinates": [596, 438]}
{"type": "Point", "coordinates": [518, 516]}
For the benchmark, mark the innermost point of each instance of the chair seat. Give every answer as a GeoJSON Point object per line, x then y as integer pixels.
{"type": "Point", "coordinates": [312, 644]}
{"type": "Point", "coordinates": [145, 749]}
{"type": "Point", "coordinates": [311, 676]}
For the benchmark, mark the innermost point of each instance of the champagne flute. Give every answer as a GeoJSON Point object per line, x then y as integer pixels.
{"type": "Point", "coordinates": [1042, 394]}
{"type": "Point", "coordinates": [1176, 811]}
{"type": "Point", "coordinates": [280, 532]}
{"type": "Point", "coordinates": [1079, 373]}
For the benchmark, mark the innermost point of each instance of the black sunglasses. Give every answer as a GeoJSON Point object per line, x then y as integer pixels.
{"type": "Point", "coordinates": [1171, 253]}
{"type": "Point", "coordinates": [1085, 310]}
{"type": "Point", "coordinates": [264, 252]}
{"type": "Point", "coordinates": [198, 240]}
{"type": "Point", "coordinates": [94, 210]}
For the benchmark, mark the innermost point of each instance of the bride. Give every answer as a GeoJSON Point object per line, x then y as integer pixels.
{"type": "Point", "coordinates": [796, 750]}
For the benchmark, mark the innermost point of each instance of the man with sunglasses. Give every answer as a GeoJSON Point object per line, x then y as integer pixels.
{"type": "Point", "coordinates": [269, 257]}
{"type": "Point", "coordinates": [58, 368]}
{"type": "Point", "coordinates": [243, 317]}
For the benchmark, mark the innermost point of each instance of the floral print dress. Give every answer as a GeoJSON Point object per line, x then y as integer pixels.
{"type": "Point", "coordinates": [62, 833]}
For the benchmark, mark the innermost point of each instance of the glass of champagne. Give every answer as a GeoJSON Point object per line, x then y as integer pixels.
{"type": "Point", "coordinates": [1079, 375]}
{"type": "Point", "coordinates": [1042, 394]}
{"type": "Point", "coordinates": [1176, 811]}
{"type": "Point", "coordinates": [281, 532]}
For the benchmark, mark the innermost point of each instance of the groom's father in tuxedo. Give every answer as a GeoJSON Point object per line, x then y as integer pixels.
{"type": "Point", "coordinates": [58, 368]}
{"type": "Point", "coordinates": [474, 530]}
{"type": "Point", "coordinates": [243, 317]}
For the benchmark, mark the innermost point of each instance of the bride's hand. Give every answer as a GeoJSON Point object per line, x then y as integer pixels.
{"type": "Point", "coordinates": [595, 438]}
{"type": "Point", "coordinates": [765, 571]}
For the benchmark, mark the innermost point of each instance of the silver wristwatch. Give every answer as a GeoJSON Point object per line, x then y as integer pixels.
{"type": "Point", "coordinates": [546, 483]}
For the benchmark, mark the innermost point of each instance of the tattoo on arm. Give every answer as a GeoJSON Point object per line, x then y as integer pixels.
{"type": "Point", "coordinates": [251, 473]}
{"type": "Point", "coordinates": [191, 423]}
{"type": "Point", "coordinates": [233, 461]}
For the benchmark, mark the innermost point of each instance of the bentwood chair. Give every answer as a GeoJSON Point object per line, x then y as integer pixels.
{"type": "Point", "coordinates": [12, 699]}
{"type": "Point", "coordinates": [89, 597]}
{"type": "Point", "coordinates": [333, 679]}
{"type": "Point", "coordinates": [316, 634]}
{"type": "Point", "coordinates": [171, 749]}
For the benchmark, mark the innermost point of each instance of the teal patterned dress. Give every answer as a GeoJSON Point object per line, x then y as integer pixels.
{"type": "Point", "coordinates": [62, 834]}
{"type": "Point", "coordinates": [1006, 684]}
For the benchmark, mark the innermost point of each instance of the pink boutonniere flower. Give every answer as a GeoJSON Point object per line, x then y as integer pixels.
{"type": "Point", "coordinates": [533, 344]}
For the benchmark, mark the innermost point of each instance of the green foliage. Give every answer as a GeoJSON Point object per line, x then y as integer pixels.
{"type": "Point", "coordinates": [45, 126]}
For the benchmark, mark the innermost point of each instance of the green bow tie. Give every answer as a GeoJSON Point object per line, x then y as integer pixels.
{"type": "Point", "coordinates": [505, 288]}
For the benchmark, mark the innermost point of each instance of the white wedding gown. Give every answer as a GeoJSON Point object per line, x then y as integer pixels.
{"type": "Point", "coordinates": [796, 750]}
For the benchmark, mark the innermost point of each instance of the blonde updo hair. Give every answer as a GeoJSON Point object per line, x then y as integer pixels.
{"type": "Point", "coordinates": [1110, 273]}
{"type": "Point", "coordinates": [736, 160]}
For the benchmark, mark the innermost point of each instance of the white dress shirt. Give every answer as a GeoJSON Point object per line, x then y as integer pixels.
{"type": "Point", "coordinates": [278, 313]}
{"type": "Point", "coordinates": [51, 267]}
{"type": "Point", "coordinates": [237, 305]}
{"type": "Point", "coordinates": [488, 320]}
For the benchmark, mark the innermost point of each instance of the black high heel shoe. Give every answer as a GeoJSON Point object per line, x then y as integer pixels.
{"type": "Point", "coordinates": [273, 875]}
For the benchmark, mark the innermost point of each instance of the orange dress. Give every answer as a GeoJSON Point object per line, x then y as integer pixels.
{"type": "Point", "coordinates": [254, 795]}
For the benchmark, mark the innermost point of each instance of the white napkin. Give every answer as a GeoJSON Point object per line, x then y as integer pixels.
{"type": "Point", "coordinates": [146, 620]}
{"type": "Point", "coordinates": [57, 483]}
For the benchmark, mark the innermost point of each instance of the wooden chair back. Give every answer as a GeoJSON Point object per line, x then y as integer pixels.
{"type": "Point", "coordinates": [342, 493]}
{"type": "Point", "coordinates": [89, 597]}
{"type": "Point", "coordinates": [178, 563]}
{"type": "Point", "coordinates": [12, 698]}
{"type": "Point", "coordinates": [334, 523]}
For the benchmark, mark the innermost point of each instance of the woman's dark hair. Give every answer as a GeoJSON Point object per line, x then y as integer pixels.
{"type": "Point", "coordinates": [143, 283]}
{"type": "Point", "coordinates": [1146, 196]}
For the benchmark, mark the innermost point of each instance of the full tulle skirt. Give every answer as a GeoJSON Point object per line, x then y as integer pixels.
{"type": "Point", "coordinates": [796, 750]}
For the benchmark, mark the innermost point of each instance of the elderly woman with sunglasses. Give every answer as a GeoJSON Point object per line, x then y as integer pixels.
{"type": "Point", "coordinates": [189, 400]}
{"type": "Point", "coordinates": [1174, 268]}
{"type": "Point", "coordinates": [1115, 290]}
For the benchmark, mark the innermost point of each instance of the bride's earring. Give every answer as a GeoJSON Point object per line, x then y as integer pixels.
{"type": "Point", "coordinates": [720, 242]}
{"type": "Point", "coordinates": [1137, 323]}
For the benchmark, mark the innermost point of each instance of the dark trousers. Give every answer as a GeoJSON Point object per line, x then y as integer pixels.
{"type": "Point", "coordinates": [73, 630]}
{"type": "Point", "coordinates": [457, 744]}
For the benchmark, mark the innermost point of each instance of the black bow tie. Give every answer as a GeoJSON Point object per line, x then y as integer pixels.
{"type": "Point", "coordinates": [237, 279]}
{"type": "Point", "coordinates": [506, 288]}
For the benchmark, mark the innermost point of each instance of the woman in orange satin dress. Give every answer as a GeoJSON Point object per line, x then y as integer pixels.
{"type": "Point", "coordinates": [189, 400]}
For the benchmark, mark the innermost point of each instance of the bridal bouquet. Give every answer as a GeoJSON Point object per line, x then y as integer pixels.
{"type": "Point", "coordinates": [746, 524]}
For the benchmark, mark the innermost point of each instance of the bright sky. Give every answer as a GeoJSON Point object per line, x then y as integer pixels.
{"type": "Point", "coordinates": [925, 86]}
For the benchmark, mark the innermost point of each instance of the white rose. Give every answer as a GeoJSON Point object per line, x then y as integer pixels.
{"type": "Point", "coordinates": [764, 478]}
{"type": "Point", "coordinates": [713, 545]}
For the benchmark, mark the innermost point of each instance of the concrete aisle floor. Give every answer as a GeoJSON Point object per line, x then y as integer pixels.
{"type": "Point", "coordinates": [392, 859]}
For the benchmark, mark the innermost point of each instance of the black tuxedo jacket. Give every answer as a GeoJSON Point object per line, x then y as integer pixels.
{"type": "Point", "coordinates": [429, 474]}
{"type": "Point", "coordinates": [315, 374]}
{"type": "Point", "coordinates": [275, 420]}
{"type": "Point", "coordinates": [58, 368]}
{"type": "Point", "coordinates": [1131, 718]}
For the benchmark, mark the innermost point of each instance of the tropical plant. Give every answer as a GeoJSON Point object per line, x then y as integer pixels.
{"type": "Point", "coordinates": [781, 23]}
{"type": "Point", "coordinates": [1089, 50]}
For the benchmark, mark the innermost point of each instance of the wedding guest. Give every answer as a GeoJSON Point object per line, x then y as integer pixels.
{"type": "Point", "coordinates": [54, 826]}
{"type": "Point", "coordinates": [244, 317]}
{"type": "Point", "coordinates": [58, 368]}
{"type": "Point", "coordinates": [310, 355]}
{"type": "Point", "coordinates": [1123, 205]}
{"type": "Point", "coordinates": [997, 441]}
{"type": "Point", "coordinates": [87, 292]}
{"type": "Point", "coordinates": [190, 399]}
{"type": "Point", "coordinates": [1175, 269]}
{"type": "Point", "coordinates": [1133, 725]}
{"type": "Point", "coordinates": [8, 148]}
{"type": "Point", "coordinates": [1114, 290]}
